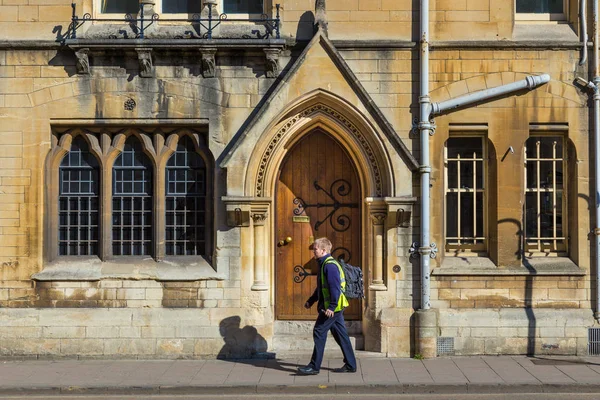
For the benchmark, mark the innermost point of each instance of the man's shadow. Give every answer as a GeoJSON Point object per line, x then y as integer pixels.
{"type": "Point", "coordinates": [246, 346]}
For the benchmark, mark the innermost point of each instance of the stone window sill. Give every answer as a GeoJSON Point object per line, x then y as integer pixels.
{"type": "Point", "coordinates": [525, 30]}
{"type": "Point", "coordinates": [130, 268]}
{"type": "Point", "coordinates": [470, 266]}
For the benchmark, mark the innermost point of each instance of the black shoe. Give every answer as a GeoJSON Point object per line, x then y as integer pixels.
{"type": "Point", "coordinates": [308, 370]}
{"type": "Point", "coordinates": [345, 368]}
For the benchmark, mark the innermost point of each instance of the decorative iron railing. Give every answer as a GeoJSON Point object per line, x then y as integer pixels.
{"type": "Point", "coordinates": [141, 23]}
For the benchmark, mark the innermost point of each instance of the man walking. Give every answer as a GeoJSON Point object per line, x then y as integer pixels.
{"type": "Point", "coordinates": [331, 302]}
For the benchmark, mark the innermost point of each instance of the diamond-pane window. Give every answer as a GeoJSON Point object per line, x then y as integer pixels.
{"type": "Point", "coordinates": [78, 201]}
{"type": "Point", "coordinates": [186, 201]}
{"type": "Point", "coordinates": [132, 201]}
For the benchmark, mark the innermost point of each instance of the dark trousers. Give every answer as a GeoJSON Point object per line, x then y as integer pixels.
{"type": "Point", "coordinates": [336, 325]}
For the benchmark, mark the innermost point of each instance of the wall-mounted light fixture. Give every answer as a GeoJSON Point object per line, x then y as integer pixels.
{"type": "Point", "coordinates": [403, 218]}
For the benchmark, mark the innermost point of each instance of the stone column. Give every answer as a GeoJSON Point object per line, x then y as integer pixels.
{"type": "Point", "coordinates": [260, 251]}
{"type": "Point", "coordinates": [378, 220]}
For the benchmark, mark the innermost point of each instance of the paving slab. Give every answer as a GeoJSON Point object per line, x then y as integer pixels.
{"type": "Point", "coordinates": [580, 373]}
{"type": "Point", "coordinates": [213, 372]}
{"type": "Point", "coordinates": [181, 372]}
{"type": "Point", "coordinates": [445, 371]}
{"type": "Point", "coordinates": [411, 371]}
{"type": "Point", "coordinates": [510, 371]}
{"type": "Point", "coordinates": [378, 371]}
{"type": "Point", "coordinates": [246, 372]}
{"type": "Point", "coordinates": [279, 372]}
{"type": "Point", "coordinates": [477, 371]}
{"type": "Point", "coordinates": [547, 374]}
{"type": "Point", "coordinates": [345, 378]}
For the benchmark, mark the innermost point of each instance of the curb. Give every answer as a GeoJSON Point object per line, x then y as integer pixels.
{"type": "Point", "coordinates": [383, 388]}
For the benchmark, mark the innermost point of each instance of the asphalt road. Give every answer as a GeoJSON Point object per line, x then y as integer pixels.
{"type": "Point", "coordinates": [508, 396]}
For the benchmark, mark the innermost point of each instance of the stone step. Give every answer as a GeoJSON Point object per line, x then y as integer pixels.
{"type": "Point", "coordinates": [303, 343]}
{"type": "Point", "coordinates": [306, 327]}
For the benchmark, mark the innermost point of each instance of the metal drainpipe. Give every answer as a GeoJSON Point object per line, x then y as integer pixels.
{"type": "Point", "coordinates": [425, 129]}
{"type": "Point", "coordinates": [594, 86]}
{"type": "Point", "coordinates": [584, 36]}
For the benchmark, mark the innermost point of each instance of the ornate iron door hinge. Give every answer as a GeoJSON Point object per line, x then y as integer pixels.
{"type": "Point", "coordinates": [342, 189]}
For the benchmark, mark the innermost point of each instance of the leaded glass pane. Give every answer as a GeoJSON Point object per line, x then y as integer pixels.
{"type": "Point", "coordinates": [185, 201]}
{"type": "Point", "coordinates": [465, 229]}
{"type": "Point", "coordinates": [78, 201]}
{"type": "Point", "coordinates": [243, 6]}
{"type": "Point", "coordinates": [540, 6]}
{"type": "Point", "coordinates": [544, 230]}
{"type": "Point", "coordinates": [132, 201]}
{"type": "Point", "coordinates": [120, 6]}
{"type": "Point", "coordinates": [181, 6]}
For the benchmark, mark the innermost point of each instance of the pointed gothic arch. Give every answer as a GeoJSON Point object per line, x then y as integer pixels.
{"type": "Point", "coordinates": [348, 125]}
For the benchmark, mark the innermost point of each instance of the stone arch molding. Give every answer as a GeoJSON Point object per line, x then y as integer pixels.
{"type": "Point", "coordinates": [338, 118]}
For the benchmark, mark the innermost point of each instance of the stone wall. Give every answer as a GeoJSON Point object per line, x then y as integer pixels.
{"type": "Point", "coordinates": [495, 331]}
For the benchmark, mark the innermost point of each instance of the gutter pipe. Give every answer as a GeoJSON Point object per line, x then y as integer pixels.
{"type": "Point", "coordinates": [594, 87]}
{"type": "Point", "coordinates": [530, 83]}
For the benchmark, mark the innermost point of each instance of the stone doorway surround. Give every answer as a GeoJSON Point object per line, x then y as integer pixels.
{"type": "Point", "coordinates": [254, 212]}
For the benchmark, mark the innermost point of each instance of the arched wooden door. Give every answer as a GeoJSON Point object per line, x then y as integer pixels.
{"type": "Point", "coordinates": [318, 195]}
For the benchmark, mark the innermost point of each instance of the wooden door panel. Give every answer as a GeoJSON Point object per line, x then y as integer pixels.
{"type": "Point", "coordinates": [318, 183]}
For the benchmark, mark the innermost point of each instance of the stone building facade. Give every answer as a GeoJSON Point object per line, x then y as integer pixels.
{"type": "Point", "coordinates": [161, 181]}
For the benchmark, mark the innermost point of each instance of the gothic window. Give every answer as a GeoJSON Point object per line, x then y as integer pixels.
{"type": "Point", "coordinates": [132, 201]}
{"type": "Point", "coordinates": [465, 189]}
{"type": "Point", "coordinates": [78, 202]}
{"type": "Point", "coordinates": [186, 201]}
{"type": "Point", "coordinates": [545, 201]}
{"type": "Point", "coordinates": [541, 10]}
{"type": "Point", "coordinates": [114, 194]}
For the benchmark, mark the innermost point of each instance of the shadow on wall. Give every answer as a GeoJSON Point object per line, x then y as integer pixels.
{"type": "Point", "coordinates": [243, 342]}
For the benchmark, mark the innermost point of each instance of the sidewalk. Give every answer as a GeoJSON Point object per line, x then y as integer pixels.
{"type": "Point", "coordinates": [489, 374]}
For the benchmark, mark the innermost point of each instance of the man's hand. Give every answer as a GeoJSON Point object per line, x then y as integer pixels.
{"type": "Point", "coordinates": [329, 313]}
{"type": "Point", "coordinates": [307, 305]}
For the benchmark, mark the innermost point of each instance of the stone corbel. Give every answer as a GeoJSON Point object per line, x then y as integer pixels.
{"type": "Point", "coordinates": [83, 61]}
{"type": "Point", "coordinates": [208, 62]}
{"type": "Point", "coordinates": [145, 61]}
{"type": "Point", "coordinates": [272, 62]}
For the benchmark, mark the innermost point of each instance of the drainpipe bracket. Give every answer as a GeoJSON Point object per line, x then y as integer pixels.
{"type": "Point", "coordinates": [425, 169]}
{"type": "Point", "coordinates": [415, 250]}
{"type": "Point", "coordinates": [430, 126]}
{"type": "Point", "coordinates": [596, 231]}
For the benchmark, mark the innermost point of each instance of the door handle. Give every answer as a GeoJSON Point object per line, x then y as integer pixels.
{"type": "Point", "coordinates": [285, 241]}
